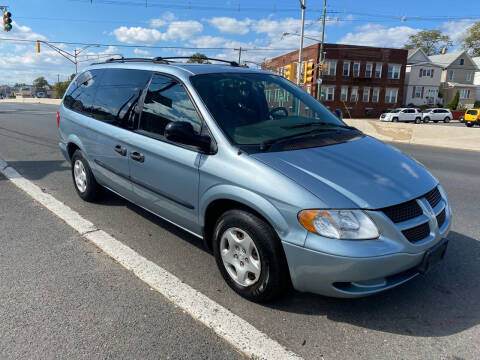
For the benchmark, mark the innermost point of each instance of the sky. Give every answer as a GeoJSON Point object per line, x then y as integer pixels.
{"type": "Point", "coordinates": [176, 28]}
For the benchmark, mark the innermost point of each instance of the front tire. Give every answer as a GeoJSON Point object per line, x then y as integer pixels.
{"type": "Point", "coordinates": [469, 123]}
{"type": "Point", "coordinates": [426, 120]}
{"type": "Point", "coordinates": [395, 119]}
{"type": "Point", "coordinates": [83, 180]}
{"type": "Point", "coordinates": [418, 120]}
{"type": "Point", "coordinates": [250, 256]}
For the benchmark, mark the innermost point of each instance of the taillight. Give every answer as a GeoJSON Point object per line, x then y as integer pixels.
{"type": "Point", "coordinates": [58, 119]}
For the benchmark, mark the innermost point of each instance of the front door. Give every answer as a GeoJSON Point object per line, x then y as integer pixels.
{"type": "Point", "coordinates": [164, 174]}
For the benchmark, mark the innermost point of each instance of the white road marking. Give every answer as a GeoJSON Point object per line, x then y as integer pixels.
{"type": "Point", "coordinates": [239, 333]}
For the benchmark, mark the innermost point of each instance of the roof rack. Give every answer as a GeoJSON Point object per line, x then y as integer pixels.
{"type": "Point", "coordinates": [161, 60]}
{"type": "Point", "coordinates": [231, 63]}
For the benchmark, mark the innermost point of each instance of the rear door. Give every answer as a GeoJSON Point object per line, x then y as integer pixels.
{"type": "Point", "coordinates": [165, 174]}
{"type": "Point", "coordinates": [115, 111]}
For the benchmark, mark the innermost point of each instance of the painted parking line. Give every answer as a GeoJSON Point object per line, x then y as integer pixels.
{"type": "Point", "coordinates": [239, 333]}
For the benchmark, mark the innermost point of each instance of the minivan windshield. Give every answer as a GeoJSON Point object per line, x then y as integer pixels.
{"type": "Point", "coordinates": [256, 109]}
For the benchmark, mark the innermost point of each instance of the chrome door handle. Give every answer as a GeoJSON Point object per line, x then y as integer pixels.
{"type": "Point", "coordinates": [121, 150]}
{"type": "Point", "coordinates": [137, 156]}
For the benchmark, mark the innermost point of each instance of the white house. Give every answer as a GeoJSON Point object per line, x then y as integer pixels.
{"type": "Point", "coordinates": [457, 76]}
{"type": "Point", "coordinates": [476, 77]}
{"type": "Point", "coordinates": [422, 79]}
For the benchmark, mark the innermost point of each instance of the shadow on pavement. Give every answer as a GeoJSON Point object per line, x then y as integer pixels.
{"type": "Point", "coordinates": [35, 170]}
{"type": "Point", "coordinates": [440, 303]}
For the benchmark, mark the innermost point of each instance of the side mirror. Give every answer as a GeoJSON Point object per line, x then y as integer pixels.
{"type": "Point", "coordinates": [338, 113]}
{"type": "Point", "coordinates": [182, 132]}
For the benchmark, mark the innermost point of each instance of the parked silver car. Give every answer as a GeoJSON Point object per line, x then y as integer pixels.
{"type": "Point", "coordinates": [437, 115]}
{"type": "Point", "coordinates": [283, 192]}
{"type": "Point", "coordinates": [403, 114]}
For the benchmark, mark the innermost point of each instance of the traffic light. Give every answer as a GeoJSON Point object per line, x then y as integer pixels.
{"type": "Point", "coordinates": [308, 73]}
{"type": "Point", "coordinates": [7, 21]}
{"type": "Point", "coordinates": [289, 73]}
{"type": "Point", "coordinates": [37, 47]}
{"type": "Point", "coordinates": [325, 67]}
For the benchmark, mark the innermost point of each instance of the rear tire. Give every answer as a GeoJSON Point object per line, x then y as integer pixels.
{"type": "Point", "coordinates": [418, 120]}
{"type": "Point", "coordinates": [395, 119]}
{"type": "Point", "coordinates": [250, 256]}
{"type": "Point", "coordinates": [446, 120]}
{"type": "Point", "coordinates": [83, 180]}
{"type": "Point", "coordinates": [469, 123]}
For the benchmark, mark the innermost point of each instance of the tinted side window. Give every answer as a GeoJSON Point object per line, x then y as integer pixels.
{"type": "Point", "coordinates": [166, 101]}
{"type": "Point", "coordinates": [118, 94]}
{"type": "Point", "coordinates": [81, 93]}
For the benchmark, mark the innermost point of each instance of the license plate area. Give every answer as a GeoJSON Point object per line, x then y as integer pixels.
{"type": "Point", "coordinates": [433, 256]}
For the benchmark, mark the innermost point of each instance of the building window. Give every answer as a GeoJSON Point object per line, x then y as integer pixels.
{"type": "Point", "coordinates": [469, 76]}
{"type": "Point", "coordinates": [354, 94]}
{"type": "Point", "coordinates": [417, 92]}
{"type": "Point", "coordinates": [346, 68]}
{"type": "Point", "coordinates": [366, 94]}
{"type": "Point", "coordinates": [464, 93]}
{"type": "Point", "coordinates": [393, 71]}
{"type": "Point", "coordinates": [451, 74]}
{"type": "Point", "coordinates": [331, 67]}
{"type": "Point", "coordinates": [368, 70]}
{"type": "Point", "coordinates": [378, 70]}
{"type": "Point", "coordinates": [391, 95]}
{"type": "Point", "coordinates": [375, 94]}
{"type": "Point", "coordinates": [462, 61]}
{"type": "Point", "coordinates": [344, 93]}
{"type": "Point", "coordinates": [426, 72]}
{"type": "Point", "coordinates": [329, 93]}
{"type": "Point", "coordinates": [356, 69]}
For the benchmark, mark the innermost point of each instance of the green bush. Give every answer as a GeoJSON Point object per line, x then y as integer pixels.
{"type": "Point", "coordinates": [454, 103]}
{"type": "Point", "coordinates": [477, 104]}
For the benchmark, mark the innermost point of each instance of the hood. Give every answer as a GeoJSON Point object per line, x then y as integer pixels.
{"type": "Point", "coordinates": [363, 173]}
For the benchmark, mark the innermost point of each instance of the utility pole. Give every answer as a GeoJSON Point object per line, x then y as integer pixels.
{"type": "Point", "coordinates": [58, 78]}
{"type": "Point", "coordinates": [239, 54]}
{"type": "Point", "coordinates": [321, 57]}
{"type": "Point", "coordinates": [299, 68]}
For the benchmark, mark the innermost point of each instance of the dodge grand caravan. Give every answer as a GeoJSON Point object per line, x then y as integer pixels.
{"type": "Point", "coordinates": [282, 191]}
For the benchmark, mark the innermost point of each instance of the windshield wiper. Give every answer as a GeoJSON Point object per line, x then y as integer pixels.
{"type": "Point", "coordinates": [320, 123]}
{"type": "Point", "coordinates": [264, 146]}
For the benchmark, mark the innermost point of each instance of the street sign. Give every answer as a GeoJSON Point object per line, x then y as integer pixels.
{"type": "Point", "coordinates": [319, 81]}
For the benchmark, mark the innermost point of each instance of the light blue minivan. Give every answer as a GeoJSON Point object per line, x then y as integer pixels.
{"type": "Point", "coordinates": [283, 192]}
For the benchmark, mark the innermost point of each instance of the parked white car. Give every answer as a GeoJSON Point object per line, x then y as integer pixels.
{"type": "Point", "coordinates": [402, 114]}
{"type": "Point", "coordinates": [437, 115]}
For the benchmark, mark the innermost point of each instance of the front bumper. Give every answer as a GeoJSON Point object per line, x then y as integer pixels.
{"type": "Point", "coordinates": [349, 269]}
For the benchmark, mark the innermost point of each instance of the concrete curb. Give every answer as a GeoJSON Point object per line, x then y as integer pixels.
{"type": "Point", "coordinates": [32, 101]}
{"type": "Point", "coordinates": [453, 137]}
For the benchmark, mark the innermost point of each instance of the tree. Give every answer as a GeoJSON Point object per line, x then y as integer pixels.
{"type": "Point", "coordinates": [40, 83]}
{"type": "Point", "coordinates": [198, 58]}
{"type": "Point", "coordinates": [60, 88]}
{"type": "Point", "coordinates": [454, 103]}
{"type": "Point", "coordinates": [430, 41]}
{"type": "Point", "coordinates": [471, 43]}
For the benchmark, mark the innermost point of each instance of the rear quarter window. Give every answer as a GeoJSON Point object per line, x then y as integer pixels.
{"type": "Point", "coordinates": [81, 92]}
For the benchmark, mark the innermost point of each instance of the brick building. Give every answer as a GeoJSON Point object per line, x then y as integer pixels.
{"type": "Point", "coordinates": [361, 81]}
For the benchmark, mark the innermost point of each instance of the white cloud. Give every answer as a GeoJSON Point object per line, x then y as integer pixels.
{"type": "Point", "coordinates": [231, 25]}
{"type": "Point", "coordinates": [177, 30]}
{"type": "Point", "coordinates": [22, 32]}
{"type": "Point", "coordinates": [378, 35]}
{"type": "Point", "coordinates": [457, 30]}
{"type": "Point", "coordinates": [163, 20]}
{"type": "Point", "coordinates": [141, 52]}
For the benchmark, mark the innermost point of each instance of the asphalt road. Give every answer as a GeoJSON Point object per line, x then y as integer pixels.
{"type": "Point", "coordinates": [436, 316]}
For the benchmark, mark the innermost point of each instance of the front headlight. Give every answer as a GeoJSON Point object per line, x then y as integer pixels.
{"type": "Point", "coordinates": [339, 224]}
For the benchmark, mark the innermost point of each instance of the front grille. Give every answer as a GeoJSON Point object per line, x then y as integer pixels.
{"type": "Point", "coordinates": [403, 212]}
{"type": "Point", "coordinates": [433, 197]}
{"type": "Point", "coordinates": [441, 218]}
{"type": "Point", "coordinates": [417, 233]}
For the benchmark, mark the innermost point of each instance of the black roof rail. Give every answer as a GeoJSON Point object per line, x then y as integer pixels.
{"type": "Point", "coordinates": [231, 63]}
{"type": "Point", "coordinates": [124, 60]}
{"type": "Point", "coordinates": [162, 60]}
